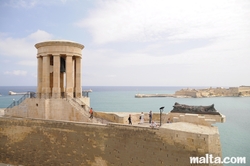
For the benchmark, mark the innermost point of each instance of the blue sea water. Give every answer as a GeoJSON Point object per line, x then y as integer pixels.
{"type": "Point", "coordinates": [234, 133]}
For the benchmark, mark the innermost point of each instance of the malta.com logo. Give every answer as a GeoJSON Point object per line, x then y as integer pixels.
{"type": "Point", "coordinates": [209, 159]}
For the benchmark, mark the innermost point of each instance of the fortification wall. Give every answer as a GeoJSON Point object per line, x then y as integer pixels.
{"type": "Point", "coordinates": [244, 88]}
{"type": "Point", "coordinates": [201, 119]}
{"type": "Point", "coordinates": [112, 117]}
{"type": "Point", "coordinates": [186, 93]}
{"type": "Point", "coordinates": [122, 117]}
{"type": "Point", "coordinates": [47, 142]}
{"type": "Point", "coordinates": [57, 109]}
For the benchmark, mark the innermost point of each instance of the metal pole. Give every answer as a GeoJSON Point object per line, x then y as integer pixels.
{"type": "Point", "coordinates": [161, 110]}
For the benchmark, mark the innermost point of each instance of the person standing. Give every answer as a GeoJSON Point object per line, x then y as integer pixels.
{"type": "Point", "coordinates": [150, 116]}
{"type": "Point", "coordinates": [91, 113]}
{"type": "Point", "coordinates": [129, 120]}
{"type": "Point", "coordinates": [142, 118]}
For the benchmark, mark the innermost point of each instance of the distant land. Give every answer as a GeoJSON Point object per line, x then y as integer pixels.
{"type": "Point", "coordinates": [241, 91]}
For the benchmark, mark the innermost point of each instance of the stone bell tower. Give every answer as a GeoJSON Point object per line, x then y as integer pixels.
{"type": "Point", "coordinates": [59, 69]}
{"type": "Point", "coordinates": [59, 88]}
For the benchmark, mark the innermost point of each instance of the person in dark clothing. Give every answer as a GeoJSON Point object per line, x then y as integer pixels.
{"type": "Point", "coordinates": [129, 120]}
{"type": "Point", "coordinates": [150, 117]}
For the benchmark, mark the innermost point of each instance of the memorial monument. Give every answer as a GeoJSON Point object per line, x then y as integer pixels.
{"type": "Point", "coordinates": [59, 69]}
{"type": "Point", "coordinates": [182, 108]}
{"type": "Point", "coordinates": [59, 86]}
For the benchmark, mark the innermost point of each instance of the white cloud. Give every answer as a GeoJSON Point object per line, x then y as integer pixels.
{"type": "Point", "coordinates": [39, 36]}
{"type": "Point", "coordinates": [22, 47]}
{"type": "Point", "coordinates": [16, 72]}
{"type": "Point", "coordinates": [147, 20]}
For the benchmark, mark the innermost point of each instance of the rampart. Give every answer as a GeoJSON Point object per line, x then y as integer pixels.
{"type": "Point", "coordinates": [48, 142]}
{"type": "Point", "coordinates": [201, 119]}
{"type": "Point", "coordinates": [214, 92]}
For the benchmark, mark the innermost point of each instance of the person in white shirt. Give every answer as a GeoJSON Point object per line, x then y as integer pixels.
{"type": "Point", "coordinates": [142, 118]}
{"type": "Point", "coordinates": [153, 124]}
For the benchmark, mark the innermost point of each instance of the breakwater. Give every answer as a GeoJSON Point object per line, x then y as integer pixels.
{"type": "Point", "coordinates": [154, 95]}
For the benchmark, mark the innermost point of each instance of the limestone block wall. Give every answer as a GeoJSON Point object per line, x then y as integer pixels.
{"type": "Point", "coordinates": [30, 107]}
{"type": "Point", "coordinates": [202, 119]}
{"type": "Point", "coordinates": [219, 91]}
{"type": "Point", "coordinates": [123, 117]}
{"type": "Point", "coordinates": [112, 117]}
{"type": "Point", "coordinates": [187, 92]}
{"type": "Point", "coordinates": [244, 90]}
{"type": "Point", "coordinates": [47, 142]}
{"type": "Point", "coordinates": [232, 91]}
{"type": "Point", "coordinates": [57, 109]}
{"type": "Point", "coordinates": [85, 100]}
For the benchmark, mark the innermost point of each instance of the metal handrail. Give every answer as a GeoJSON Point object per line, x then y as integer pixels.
{"type": "Point", "coordinates": [25, 96]}
{"type": "Point", "coordinates": [77, 105]}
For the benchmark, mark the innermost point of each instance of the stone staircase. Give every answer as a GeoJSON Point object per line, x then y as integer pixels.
{"type": "Point", "coordinates": [80, 106]}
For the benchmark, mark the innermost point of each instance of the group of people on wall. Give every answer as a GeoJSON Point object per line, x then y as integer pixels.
{"type": "Point", "coordinates": [152, 123]}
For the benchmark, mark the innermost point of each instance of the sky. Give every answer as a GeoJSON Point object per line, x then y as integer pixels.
{"type": "Point", "coordinates": [131, 42]}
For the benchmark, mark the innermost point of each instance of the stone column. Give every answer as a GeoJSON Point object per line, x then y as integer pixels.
{"type": "Point", "coordinates": [46, 77]}
{"type": "Point", "coordinates": [78, 79]}
{"type": "Point", "coordinates": [69, 76]}
{"type": "Point", "coordinates": [56, 92]}
{"type": "Point", "coordinates": [39, 76]}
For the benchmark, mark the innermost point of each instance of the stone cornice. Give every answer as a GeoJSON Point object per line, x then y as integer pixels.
{"type": "Point", "coordinates": [59, 43]}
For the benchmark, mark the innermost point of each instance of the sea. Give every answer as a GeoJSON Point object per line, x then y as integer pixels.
{"type": "Point", "coordinates": [234, 133]}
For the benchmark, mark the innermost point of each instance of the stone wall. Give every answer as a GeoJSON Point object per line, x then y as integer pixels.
{"type": "Point", "coordinates": [244, 88]}
{"type": "Point", "coordinates": [57, 109]}
{"type": "Point", "coordinates": [122, 117]}
{"type": "Point", "coordinates": [187, 92]}
{"type": "Point", "coordinates": [201, 119]}
{"type": "Point", "coordinates": [212, 92]}
{"type": "Point", "coordinates": [47, 142]}
{"type": "Point", "coordinates": [194, 118]}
